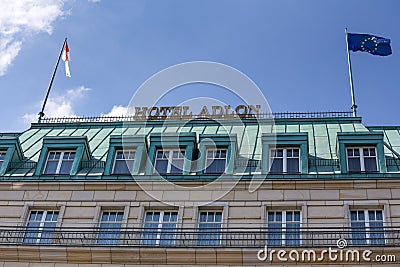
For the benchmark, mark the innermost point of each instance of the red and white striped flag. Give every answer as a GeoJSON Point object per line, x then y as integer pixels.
{"type": "Point", "coordinates": [66, 58]}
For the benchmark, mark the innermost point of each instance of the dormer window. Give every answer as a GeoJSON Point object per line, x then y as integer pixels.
{"type": "Point", "coordinates": [216, 160]}
{"type": "Point", "coordinates": [169, 161]}
{"type": "Point", "coordinates": [124, 160]}
{"type": "Point", "coordinates": [285, 160]}
{"type": "Point", "coordinates": [2, 157]}
{"type": "Point", "coordinates": [59, 162]}
{"type": "Point", "coordinates": [361, 159]}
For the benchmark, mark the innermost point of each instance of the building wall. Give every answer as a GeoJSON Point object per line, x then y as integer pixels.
{"type": "Point", "coordinates": [322, 202]}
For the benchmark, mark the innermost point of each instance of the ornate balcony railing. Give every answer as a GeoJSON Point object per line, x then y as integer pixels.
{"type": "Point", "coordinates": [193, 237]}
{"type": "Point", "coordinates": [130, 118]}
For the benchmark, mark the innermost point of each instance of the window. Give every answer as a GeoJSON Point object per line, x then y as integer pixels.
{"type": "Point", "coordinates": [367, 227]}
{"type": "Point", "coordinates": [283, 228]}
{"type": "Point", "coordinates": [159, 228]}
{"type": "Point", "coordinates": [123, 163]}
{"type": "Point", "coordinates": [59, 162]}
{"type": "Point", "coordinates": [110, 227]}
{"type": "Point", "coordinates": [216, 160]}
{"type": "Point", "coordinates": [2, 157]}
{"type": "Point", "coordinates": [169, 161]}
{"type": "Point", "coordinates": [210, 223]}
{"type": "Point", "coordinates": [361, 159]}
{"type": "Point", "coordinates": [285, 160]}
{"type": "Point", "coordinates": [41, 226]}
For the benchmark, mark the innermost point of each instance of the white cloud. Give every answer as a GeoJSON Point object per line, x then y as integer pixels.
{"type": "Point", "coordinates": [117, 111]}
{"type": "Point", "coordinates": [59, 105]}
{"type": "Point", "coordinates": [94, 1]}
{"type": "Point", "coordinates": [20, 19]}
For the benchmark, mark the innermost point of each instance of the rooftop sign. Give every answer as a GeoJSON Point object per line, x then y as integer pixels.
{"type": "Point", "coordinates": [183, 112]}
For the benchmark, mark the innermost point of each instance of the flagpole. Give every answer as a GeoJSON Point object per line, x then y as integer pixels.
{"type": "Point", "coordinates": [41, 113]}
{"type": "Point", "coordinates": [353, 98]}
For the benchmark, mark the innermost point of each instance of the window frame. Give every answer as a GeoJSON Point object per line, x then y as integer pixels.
{"type": "Point", "coordinates": [207, 141]}
{"type": "Point", "coordinates": [130, 170]}
{"type": "Point", "coordinates": [284, 159]}
{"type": "Point", "coordinates": [362, 159]}
{"type": "Point", "coordinates": [178, 141]}
{"type": "Point", "coordinates": [367, 227]}
{"type": "Point", "coordinates": [53, 143]}
{"type": "Point", "coordinates": [40, 231]}
{"type": "Point", "coordinates": [283, 224]}
{"type": "Point", "coordinates": [207, 241]}
{"type": "Point", "coordinates": [367, 139]}
{"type": "Point", "coordinates": [276, 140]}
{"type": "Point", "coordinates": [60, 161]}
{"type": "Point", "coordinates": [170, 160]}
{"type": "Point", "coordinates": [159, 230]}
{"type": "Point", "coordinates": [3, 154]}
{"type": "Point", "coordinates": [214, 158]}
{"type": "Point", "coordinates": [113, 240]}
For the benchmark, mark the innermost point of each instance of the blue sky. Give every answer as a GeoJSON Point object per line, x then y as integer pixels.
{"type": "Point", "coordinates": [294, 51]}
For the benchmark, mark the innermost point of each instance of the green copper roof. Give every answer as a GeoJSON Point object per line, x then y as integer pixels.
{"type": "Point", "coordinates": [322, 138]}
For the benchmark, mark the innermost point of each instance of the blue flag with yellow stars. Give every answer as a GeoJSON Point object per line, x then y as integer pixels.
{"type": "Point", "coordinates": [374, 45]}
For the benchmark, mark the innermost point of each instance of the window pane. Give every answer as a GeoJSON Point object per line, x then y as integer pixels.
{"type": "Point", "coordinates": [65, 167]}
{"type": "Point", "coordinates": [51, 167]}
{"type": "Point", "coordinates": [293, 165]}
{"type": "Point", "coordinates": [216, 166]}
{"type": "Point", "coordinates": [161, 166]}
{"type": "Point", "coordinates": [354, 164]}
{"type": "Point", "coordinates": [121, 167]}
{"type": "Point", "coordinates": [177, 166]}
{"type": "Point", "coordinates": [279, 216]}
{"type": "Point", "coordinates": [274, 234]}
{"type": "Point", "coordinates": [277, 166]}
{"type": "Point", "coordinates": [353, 215]}
{"type": "Point", "coordinates": [209, 228]}
{"type": "Point", "coordinates": [32, 233]}
{"type": "Point", "coordinates": [292, 234]}
{"type": "Point", "coordinates": [168, 229]}
{"type": "Point", "coordinates": [370, 164]}
{"type": "Point", "coordinates": [2, 155]}
{"type": "Point", "coordinates": [379, 215]}
{"type": "Point", "coordinates": [358, 228]}
{"type": "Point", "coordinates": [110, 228]}
{"type": "Point", "coordinates": [372, 151]}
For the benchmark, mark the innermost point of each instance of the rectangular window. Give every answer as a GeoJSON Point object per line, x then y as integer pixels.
{"type": "Point", "coordinates": [367, 227]}
{"type": "Point", "coordinates": [169, 161]}
{"type": "Point", "coordinates": [285, 160]}
{"type": "Point", "coordinates": [110, 227]}
{"type": "Point", "coordinates": [123, 162]}
{"type": "Point", "coordinates": [59, 162]}
{"type": "Point", "coordinates": [283, 228]}
{"type": "Point", "coordinates": [216, 160]}
{"type": "Point", "coordinates": [361, 159]}
{"type": "Point", "coordinates": [2, 157]}
{"type": "Point", "coordinates": [40, 227]}
{"type": "Point", "coordinates": [210, 223]}
{"type": "Point", "coordinates": [160, 228]}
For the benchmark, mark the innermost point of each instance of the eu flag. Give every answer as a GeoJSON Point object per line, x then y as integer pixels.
{"type": "Point", "coordinates": [374, 45]}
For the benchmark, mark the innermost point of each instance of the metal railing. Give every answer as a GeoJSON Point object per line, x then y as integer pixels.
{"type": "Point", "coordinates": [393, 162]}
{"type": "Point", "coordinates": [193, 237]}
{"type": "Point", "coordinates": [312, 162]}
{"type": "Point", "coordinates": [92, 164]}
{"type": "Point", "coordinates": [23, 165]}
{"type": "Point", "coordinates": [130, 118]}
